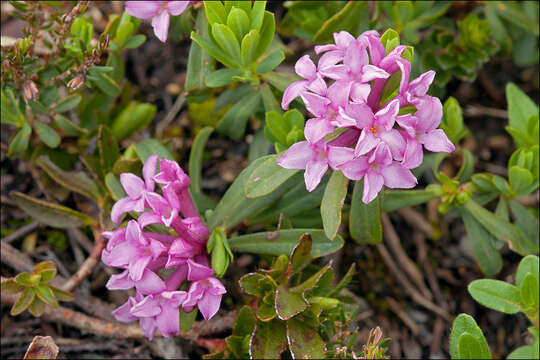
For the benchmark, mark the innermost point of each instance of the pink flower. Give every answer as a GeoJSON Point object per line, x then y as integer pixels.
{"type": "Point", "coordinates": [378, 169]}
{"type": "Point", "coordinates": [205, 291]}
{"type": "Point", "coordinates": [149, 283]}
{"type": "Point", "coordinates": [175, 188]}
{"type": "Point", "coordinates": [158, 11]}
{"type": "Point", "coordinates": [307, 70]}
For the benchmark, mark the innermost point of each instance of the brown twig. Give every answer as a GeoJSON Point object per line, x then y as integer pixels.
{"type": "Point", "coordinates": [408, 286]}
{"type": "Point", "coordinates": [416, 220]}
{"type": "Point", "coordinates": [478, 111]}
{"type": "Point", "coordinates": [408, 265]}
{"type": "Point", "coordinates": [398, 310]}
{"type": "Point", "coordinates": [438, 329]}
{"type": "Point", "coordinates": [87, 266]}
{"type": "Point", "coordinates": [117, 330]}
{"type": "Point", "coordinates": [26, 229]}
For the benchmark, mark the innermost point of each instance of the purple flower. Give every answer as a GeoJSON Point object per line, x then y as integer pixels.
{"type": "Point", "coordinates": [307, 70]}
{"type": "Point", "coordinates": [149, 283]}
{"type": "Point", "coordinates": [378, 169]}
{"type": "Point", "coordinates": [158, 11]}
{"type": "Point", "coordinates": [205, 291]}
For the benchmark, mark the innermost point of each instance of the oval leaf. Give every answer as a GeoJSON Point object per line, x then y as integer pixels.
{"type": "Point", "coordinates": [497, 295]}
{"type": "Point", "coordinates": [267, 177]}
{"type": "Point", "coordinates": [332, 203]}
{"type": "Point", "coordinates": [365, 219]}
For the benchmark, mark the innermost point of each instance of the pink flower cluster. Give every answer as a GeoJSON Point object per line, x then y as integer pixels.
{"type": "Point", "coordinates": [143, 253]}
{"type": "Point", "coordinates": [376, 142]}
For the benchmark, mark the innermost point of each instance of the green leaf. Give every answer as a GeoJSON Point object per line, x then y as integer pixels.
{"type": "Point", "coordinates": [51, 214]}
{"type": "Point", "coordinates": [114, 187]}
{"type": "Point", "coordinates": [467, 166]}
{"type": "Point", "coordinates": [469, 347]}
{"type": "Point", "coordinates": [270, 62]}
{"type": "Point", "coordinates": [397, 199]}
{"type": "Point", "coordinates": [266, 34]}
{"type": "Point", "coordinates": [195, 169]}
{"type": "Point", "coordinates": [135, 41]}
{"type": "Point", "coordinates": [214, 50]}
{"type": "Point", "coordinates": [151, 146]}
{"type": "Point", "coordinates": [465, 324]}
{"type": "Point", "coordinates": [46, 271]}
{"type": "Point", "coordinates": [520, 108]}
{"type": "Point", "coordinates": [498, 29]}
{"type": "Point", "coordinates": [353, 17]}
{"type": "Point", "coordinates": [233, 123]}
{"type": "Point", "coordinates": [200, 63]}
{"type": "Point", "coordinates": [501, 229]}
{"type": "Point", "coordinates": [524, 352]}
{"type": "Point", "coordinates": [332, 203]}
{"type": "Point", "coordinates": [288, 303]}
{"type": "Point", "coordinates": [485, 253]}
{"type": "Point", "coordinates": [257, 14]}
{"type": "Point", "coordinates": [238, 22]}
{"type": "Point", "coordinates": [62, 295]}
{"type": "Point", "coordinates": [68, 127]}
{"type": "Point", "coordinates": [300, 256]}
{"type": "Point", "coordinates": [244, 324]}
{"type": "Point", "coordinates": [227, 41]}
{"type": "Point", "coordinates": [267, 177]}
{"type": "Point", "coordinates": [304, 341]}
{"type": "Point", "coordinates": [269, 100]}
{"type": "Point", "coordinates": [284, 241]}
{"type": "Point", "coordinates": [46, 295]}
{"type": "Point", "coordinates": [108, 148]}
{"type": "Point", "coordinates": [20, 141]}
{"type": "Point", "coordinates": [517, 17]}
{"type": "Point", "coordinates": [497, 295]}
{"type": "Point", "coordinates": [37, 307]}
{"type": "Point", "coordinates": [26, 279]}
{"type": "Point", "coordinates": [23, 302]}
{"type": "Point", "coordinates": [10, 286]}
{"type": "Point", "coordinates": [277, 126]}
{"type": "Point", "coordinates": [187, 319]}
{"type": "Point", "coordinates": [520, 179]}
{"type": "Point", "coordinates": [280, 80]}
{"type": "Point", "coordinates": [67, 103]}
{"type": "Point", "coordinates": [78, 182]}
{"type": "Point", "coordinates": [134, 117]}
{"type": "Point", "coordinates": [215, 12]}
{"type": "Point", "coordinates": [365, 219]}
{"type": "Point", "coordinates": [47, 134]}
{"type": "Point", "coordinates": [269, 340]}
{"type": "Point", "coordinates": [529, 264]}
{"type": "Point", "coordinates": [221, 77]}
{"type": "Point", "coordinates": [105, 83]}
{"type": "Point", "coordinates": [10, 113]}
{"type": "Point", "coordinates": [256, 284]}
{"type": "Point", "coordinates": [344, 281]}
{"type": "Point", "coordinates": [529, 292]}
{"type": "Point", "coordinates": [525, 221]}
{"type": "Point", "coordinates": [248, 48]}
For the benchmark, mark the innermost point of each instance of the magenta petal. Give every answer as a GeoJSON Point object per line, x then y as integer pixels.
{"type": "Point", "coordinates": [355, 57]}
{"type": "Point", "coordinates": [121, 255]}
{"type": "Point", "coordinates": [395, 143]}
{"type": "Point", "coordinates": [338, 93]}
{"type": "Point", "coordinates": [143, 9]}
{"type": "Point", "coordinates": [437, 141]}
{"type": "Point", "coordinates": [396, 176]}
{"type": "Point", "coordinates": [150, 283]}
{"type": "Point", "coordinates": [330, 58]}
{"type": "Point", "coordinates": [317, 128]}
{"type": "Point", "coordinates": [136, 267]}
{"type": "Point", "coordinates": [148, 307]}
{"type": "Point", "coordinates": [405, 68]}
{"type": "Point", "coordinates": [209, 305]}
{"type": "Point", "coordinates": [429, 113]}
{"type": "Point", "coordinates": [160, 23]}
{"type": "Point", "coordinates": [316, 104]}
{"type": "Point", "coordinates": [174, 298]}
{"type": "Point", "coordinates": [360, 92]}
{"type": "Point", "coordinates": [168, 321]}
{"type": "Point", "coordinates": [120, 281]}
{"type": "Point", "coordinates": [297, 156]}
{"type": "Point", "coordinates": [156, 248]}
{"type": "Point", "coordinates": [149, 170]}
{"type": "Point", "coordinates": [134, 233]}
{"type": "Point", "coordinates": [123, 206]}
{"type": "Point", "coordinates": [372, 72]}
{"type": "Point", "coordinates": [147, 218]}
{"type": "Point", "coordinates": [355, 169]}
{"type": "Point", "coordinates": [197, 271]}
{"type": "Point", "coordinates": [216, 287]}
{"type": "Point", "coordinates": [343, 39]}
{"type": "Point", "coordinates": [305, 67]}
{"type": "Point", "coordinates": [317, 85]}
{"type": "Point", "coordinates": [292, 92]}
{"type": "Point", "coordinates": [123, 313]}
{"type": "Point", "coordinates": [420, 85]}
{"type": "Point", "coordinates": [133, 185]}
{"type": "Point", "coordinates": [413, 156]}
{"type": "Point", "coordinates": [381, 155]}
{"type": "Point", "coordinates": [386, 117]}
{"type": "Point", "coordinates": [148, 325]}
{"type": "Point", "coordinates": [338, 155]}
{"type": "Point", "coordinates": [177, 7]}
{"type": "Point", "coordinates": [335, 72]}
{"type": "Point", "coordinates": [366, 142]}
{"type": "Point", "coordinates": [373, 183]}
{"type": "Point", "coordinates": [315, 170]}
{"type": "Point", "coordinates": [322, 48]}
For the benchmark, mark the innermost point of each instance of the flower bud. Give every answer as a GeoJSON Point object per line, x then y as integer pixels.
{"type": "Point", "coordinates": [76, 82]}
{"type": "Point", "coordinates": [30, 91]}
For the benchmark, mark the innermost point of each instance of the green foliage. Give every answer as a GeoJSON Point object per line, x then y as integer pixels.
{"type": "Point", "coordinates": [285, 129]}
{"type": "Point", "coordinates": [467, 340]}
{"type": "Point", "coordinates": [365, 219]}
{"type": "Point", "coordinates": [332, 203]}
{"type": "Point", "coordinates": [35, 290]}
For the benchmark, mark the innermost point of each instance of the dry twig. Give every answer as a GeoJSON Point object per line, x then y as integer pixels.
{"type": "Point", "coordinates": [26, 229]}
{"type": "Point", "coordinates": [398, 310]}
{"type": "Point", "coordinates": [87, 266]}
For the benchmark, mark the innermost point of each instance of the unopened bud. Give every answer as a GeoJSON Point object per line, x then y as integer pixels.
{"type": "Point", "coordinates": [30, 91]}
{"type": "Point", "coordinates": [76, 82]}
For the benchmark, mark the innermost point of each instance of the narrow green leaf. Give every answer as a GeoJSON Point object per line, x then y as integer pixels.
{"type": "Point", "coordinates": [238, 22]}
{"type": "Point", "coordinates": [10, 286]}
{"type": "Point", "coordinates": [221, 77]}
{"type": "Point", "coordinates": [78, 182]}
{"type": "Point", "coordinates": [397, 199]}
{"type": "Point", "coordinates": [266, 33]}
{"type": "Point", "coordinates": [520, 108]}
{"type": "Point", "coordinates": [280, 80]}
{"type": "Point", "coordinates": [300, 256]}
{"type": "Point", "coordinates": [114, 187]}
{"type": "Point", "coordinates": [108, 148]}
{"type": "Point", "coordinates": [257, 14]}
{"type": "Point", "coordinates": [248, 48]}
{"type": "Point", "coordinates": [106, 84]}
{"type": "Point", "coordinates": [68, 103]}
{"type": "Point", "coordinates": [46, 270]}
{"type": "Point", "coordinates": [465, 324]}
{"type": "Point", "coordinates": [51, 214]}
{"type": "Point", "coordinates": [269, 340]}
{"type": "Point", "coordinates": [267, 177]}
{"type": "Point", "coordinates": [284, 241]}
{"type": "Point", "coordinates": [527, 222]}
{"type": "Point", "coordinates": [68, 127]}
{"type": "Point", "coordinates": [134, 117]}
{"type": "Point", "coordinates": [270, 62]}
{"type": "Point", "coordinates": [233, 123]}
{"type": "Point", "coordinates": [20, 141]}
{"type": "Point", "coordinates": [529, 292]}
{"type": "Point", "coordinates": [487, 256]}
{"type": "Point", "coordinates": [529, 264]}
{"type": "Point", "coordinates": [135, 41]}
{"type": "Point", "coordinates": [332, 203]}
{"type": "Point", "coordinates": [37, 307]}
{"type": "Point", "coordinates": [467, 166]}
{"type": "Point", "coordinates": [215, 12]}
{"type": "Point", "coordinates": [23, 302]}
{"type": "Point", "coordinates": [365, 219]}
{"type": "Point", "coordinates": [269, 100]}
{"type": "Point", "coordinates": [344, 281]}
{"type": "Point", "coordinates": [353, 17]}
{"type": "Point", "coordinates": [151, 146]}
{"type": "Point", "coordinates": [520, 179]}
{"type": "Point", "coordinates": [196, 158]}
{"type": "Point", "coordinates": [187, 319]}
{"type": "Point", "coordinates": [47, 134]}
{"type": "Point", "coordinates": [227, 41]}
{"type": "Point", "coordinates": [10, 114]}
{"type": "Point", "coordinates": [46, 295]}
{"type": "Point", "coordinates": [214, 50]}
{"type": "Point", "coordinates": [497, 295]}
{"type": "Point", "coordinates": [524, 352]}
{"type": "Point", "coordinates": [244, 324]}
{"type": "Point", "coordinates": [200, 63]}
{"type": "Point", "coordinates": [304, 341]}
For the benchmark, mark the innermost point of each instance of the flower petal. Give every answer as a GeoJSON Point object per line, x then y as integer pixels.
{"type": "Point", "coordinates": [315, 104]}
{"type": "Point", "coordinates": [177, 7]}
{"type": "Point", "coordinates": [148, 325]}
{"type": "Point", "coordinates": [168, 321]}
{"type": "Point", "coordinates": [372, 72]}
{"type": "Point", "coordinates": [317, 128]}
{"type": "Point", "coordinates": [149, 170]}
{"type": "Point", "coordinates": [315, 170]}
{"type": "Point", "coordinates": [123, 313]}
{"type": "Point", "coordinates": [413, 156]}
{"type": "Point", "coordinates": [355, 57]}
{"type": "Point", "coordinates": [305, 67]}
{"type": "Point", "coordinates": [137, 266]}
{"type": "Point", "coordinates": [132, 184]}
{"type": "Point", "coordinates": [292, 92]}
{"type": "Point", "coordinates": [297, 156]}
{"type": "Point", "coordinates": [143, 9]}
{"type": "Point", "coordinates": [120, 281]}
{"type": "Point", "coordinates": [366, 142]}
{"type": "Point", "coordinates": [338, 155]}
{"type": "Point", "coordinates": [397, 176]}
{"type": "Point", "coordinates": [160, 23]}
{"type": "Point", "coordinates": [150, 283]}
{"type": "Point", "coordinates": [386, 117]}
{"type": "Point", "coordinates": [437, 141]}
{"type": "Point", "coordinates": [209, 305]}
{"type": "Point", "coordinates": [148, 307]}
{"type": "Point", "coordinates": [373, 183]}
{"type": "Point", "coordinates": [420, 85]}
{"type": "Point", "coordinates": [197, 271]}
{"type": "Point", "coordinates": [360, 91]}
{"type": "Point", "coordinates": [395, 143]}
{"type": "Point", "coordinates": [123, 206]}
{"type": "Point", "coordinates": [355, 169]}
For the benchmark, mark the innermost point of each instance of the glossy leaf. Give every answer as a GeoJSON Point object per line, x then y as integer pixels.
{"type": "Point", "coordinates": [200, 63]}
{"type": "Point", "coordinates": [284, 241]}
{"type": "Point", "coordinates": [62, 295]}
{"type": "Point", "coordinates": [529, 264]}
{"type": "Point", "coordinates": [470, 347]}
{"type": "Point", "coordinates": [301, 253]}
{"type": "Point", "coordinates": [46, 295]}
{"type": "Point", "coordinates": [269, 340]}
{"type": "Point", "coordinates": [270, 62]}
{"type": "Point", "coordinates": [248, 48]}
{"type": "Point", "coordinates": [266, 34]}
{"type": "Point", "coordinates": [227, 41]}
{"type": "Point", "coordinates": [213, 49]}
{"type": "Point", "coordinates": [497, 295]}
{"type": "Point", "coordinates": [68, 127]}
{"type": "Point", "coordinates": [221, 77]}
{"type": "Point", "coordinates": [51, 214]}
{"type": "Point", "coordinates": [215, 12]}
{"type": "Point", "coordinates": [332, 203]}
{"type": "Point", "coordinates": [267, 177]}
{"type": "Point", "coordinates": [529, 292]}
{"type": "Point", "coordinates": [132, 118]}
{"type": "Point", "coordinates": [353, 18]}
{"type": "Point", "coordinates": [465, 324]}
{"type": "Point", "coordinates": [46, 270]}
{"type": "Point", "coordinates": [365, 219]}
{"type": "Point", "coordinates": [397, 199]}
{"type": "Point", "coordinates": [150, 146]}
{"type": "Point", "coordinates": [244, 324]}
